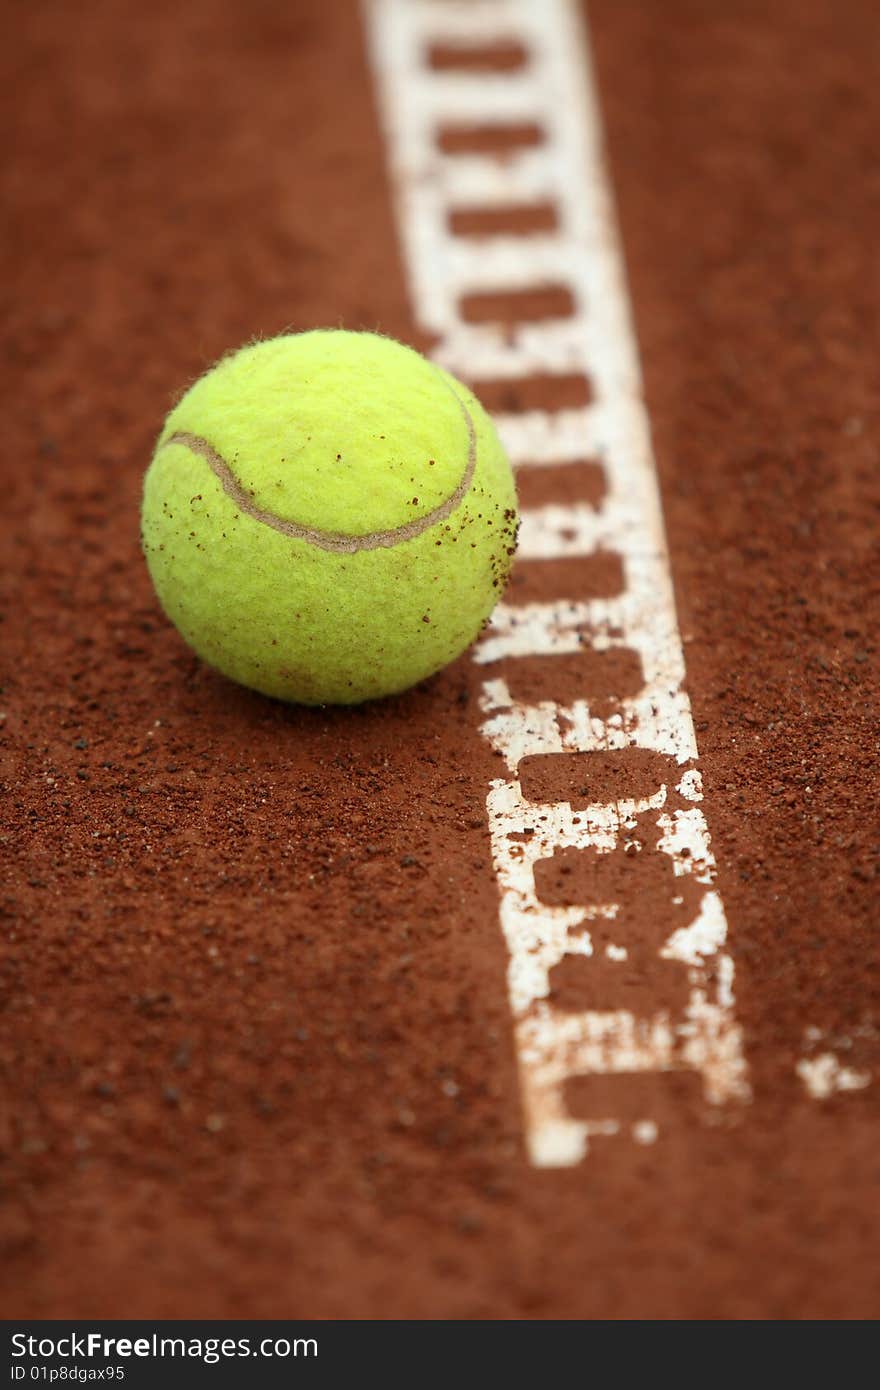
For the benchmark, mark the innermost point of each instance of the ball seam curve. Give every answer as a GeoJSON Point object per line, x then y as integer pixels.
{"type": "Point", "coordinates": [338, 541]}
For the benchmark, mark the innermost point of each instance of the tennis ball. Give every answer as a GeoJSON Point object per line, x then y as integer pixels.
{"type": "Point", "coordinates": [328, 517]}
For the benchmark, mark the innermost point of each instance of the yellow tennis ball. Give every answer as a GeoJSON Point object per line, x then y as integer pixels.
{"type": "Point", "coordinates": [328, 517]}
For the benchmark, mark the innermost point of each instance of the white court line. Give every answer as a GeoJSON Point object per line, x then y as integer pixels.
{"type": "Point", "coordinates": [820, 1069]}
{"type": "Point", "coordinates": [824, 1074]}
{"type": "Point", "coordinates": [555, 91]}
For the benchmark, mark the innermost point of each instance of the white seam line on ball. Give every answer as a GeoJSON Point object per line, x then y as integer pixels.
{"type": "Point", "coordinates": [555, 91]}
{"type": "Point", "coordinates": [337, 541]}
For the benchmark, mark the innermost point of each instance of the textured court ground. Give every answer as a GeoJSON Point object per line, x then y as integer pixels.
{"type": "Point", "coordinates": [257, 1047]}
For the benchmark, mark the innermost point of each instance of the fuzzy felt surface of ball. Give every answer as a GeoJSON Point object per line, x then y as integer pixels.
{"type": "Point", "coordinates": [328, 517]}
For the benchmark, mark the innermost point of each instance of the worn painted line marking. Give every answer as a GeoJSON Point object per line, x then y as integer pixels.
{"type": "Point", "coordinates": [556, 1046]}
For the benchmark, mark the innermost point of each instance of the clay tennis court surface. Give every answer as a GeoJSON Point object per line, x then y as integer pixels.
{"type": "Point", "coordinates": [258, 1051]}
